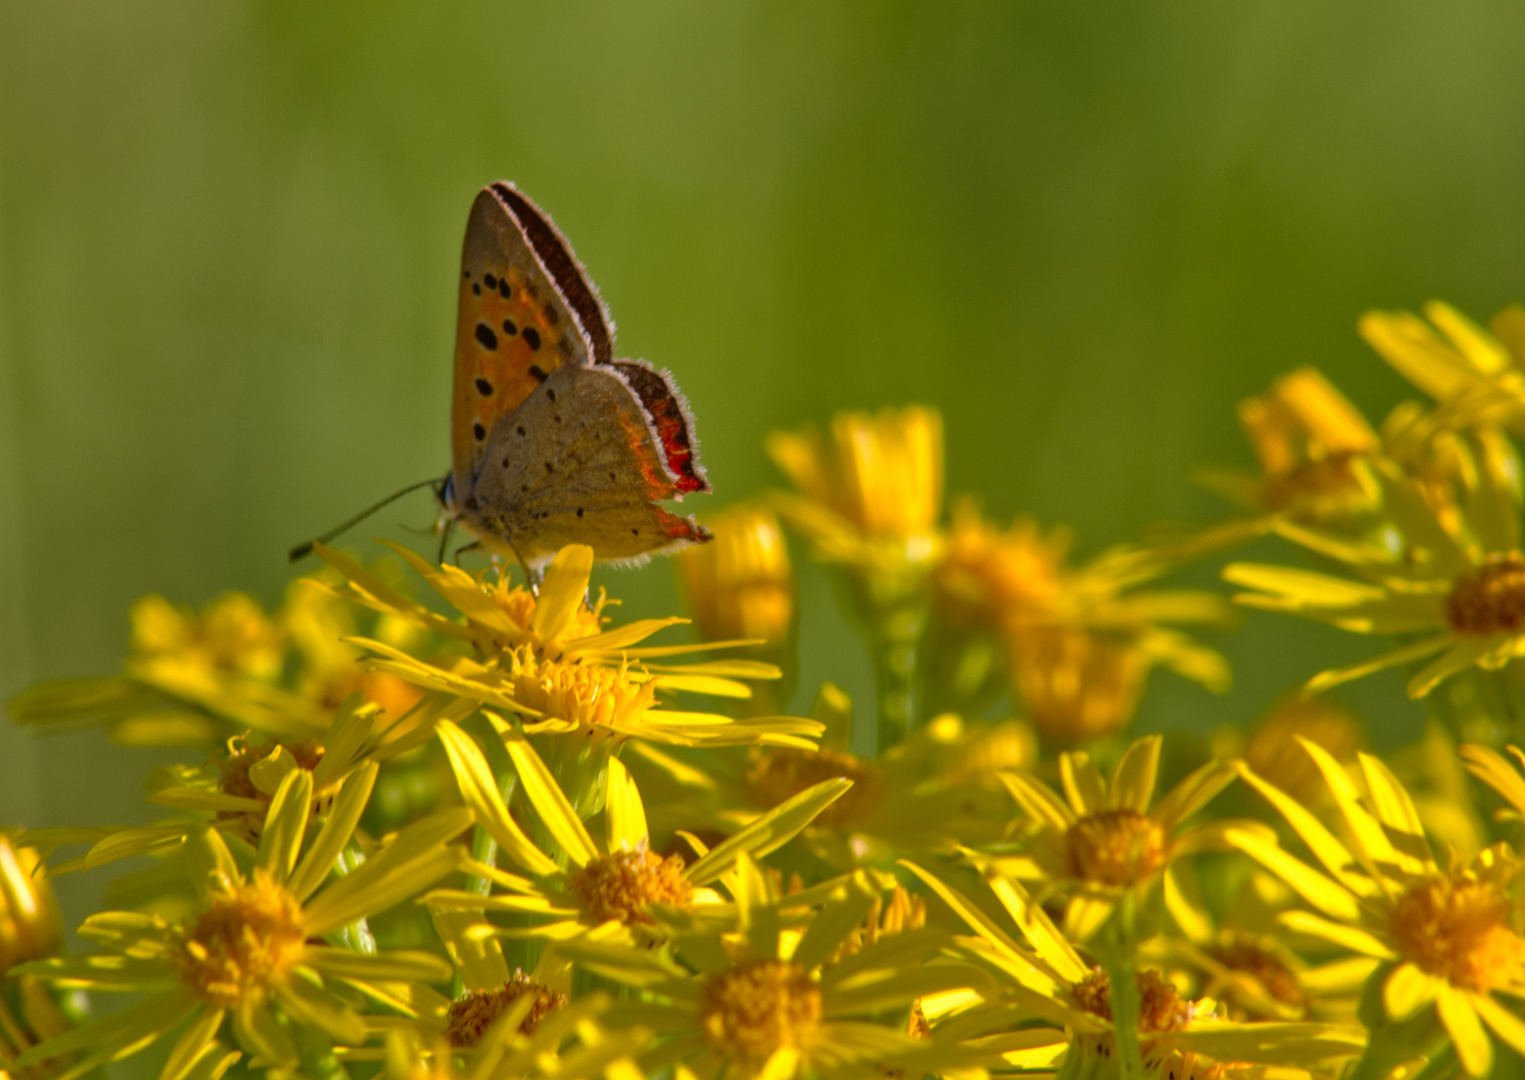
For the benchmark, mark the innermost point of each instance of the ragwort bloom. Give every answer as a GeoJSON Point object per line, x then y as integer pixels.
{"type": "Point", "coordinates": [1463, 595]}
{"type": "Point", "coordinates": [1101, 840]}
{"type": "Point", "coordinates": [1041, 975]}
{"type": "Point", "coordinates": [252, 951]}
{"type": "Point", "coordinates": [618, 881]}
{"type": "Point", "coordinates": [1447, 939]}
{"type": "Point", "coordinates": [783, 998]}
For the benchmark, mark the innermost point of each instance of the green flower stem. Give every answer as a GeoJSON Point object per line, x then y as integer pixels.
{"type": "Point", "coordinates": [1120, 954]}
{"type": "Point", "coordinates": [356, 935]}
{"type": "Point", "coordinates": [319, 1062]}
{"type": "Point", "coordinates": [892, 612]}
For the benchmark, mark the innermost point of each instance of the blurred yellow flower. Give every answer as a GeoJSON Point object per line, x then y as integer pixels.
{"type": "Point", "coordinates": [30, 926]}
{"type": "Point", "coordinates": [870, 489]}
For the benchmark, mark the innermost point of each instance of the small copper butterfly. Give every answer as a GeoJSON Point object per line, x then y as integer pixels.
{"type": "Point", "coordinates": [554, 441]}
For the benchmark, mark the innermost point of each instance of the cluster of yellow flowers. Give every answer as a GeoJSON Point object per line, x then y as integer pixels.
{"type": "Point", "coordinates": [501, 835]}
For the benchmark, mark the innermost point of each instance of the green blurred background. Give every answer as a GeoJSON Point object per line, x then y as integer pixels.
{"type": "Point", "coordinates": [229, 236]}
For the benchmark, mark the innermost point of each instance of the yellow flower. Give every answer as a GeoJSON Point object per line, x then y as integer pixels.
{"type": "Point", "coordinates": [1314, 448]}
{"type": "Point", "coordinates": [593, 884]}
{"type": "Point", "coordinates": [741, 585]}
{"type": "Point", "coordinates": [1474, 375]}
{"type": "Point", "coordinates": [29, 921]}
{"type": "Point", "coordinates": [1041, 976]}
{"type": "Point", "coordinates": [1078, 642]}
{"type": "Point", "coordinates": [776, 1001]}
{"type": "Point", "coordinates": [930, 792]}
{"type": "Point", "coordinates": [251, 952]}
{"type": "Point", "coordinates": [1102, 839]}
{"type": "Point", "coordinates": [870, 489]}
{"type": "Point", "coordinates": [1464, 594]}
{"type": "Point", "coordinates": [1447, 938]}
{"type": "Point", "coordinates": [196, 679]}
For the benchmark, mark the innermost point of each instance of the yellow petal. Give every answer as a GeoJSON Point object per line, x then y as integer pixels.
{"type": "Point", "coordinates": [1083, 785]}
{"type": "Point", "coordinates": [336, 832]}
{"type": "Point", "coordinates": [1473, 1047]}
{"type": "Point", "coordinates": [480, 791]}
{"type": "Point", "coordinates": [768, 832]}
{"type": "Point", "coordinates": [546, 796]}
{"type": "Point", "coordinates": [1306, 881]}
{"type": "Point", "coordinates": [562, 591]}
{"type": "Point", "coordinates": [624, 814]}
{"type": "Point", "coordinates": [1133, 780]}
{"type": "Point", "coordinates": [1407, 990]}
{"type": "Point", "coordinates": [285, 825]}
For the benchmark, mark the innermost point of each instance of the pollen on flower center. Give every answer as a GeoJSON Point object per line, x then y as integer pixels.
{"type": "Point", "coordinates": [245, 941]}
{"type": "Point", "coordinates": [1161, 1007]}
{"type": "Point", "coordinates": [1115, 847]}
{"type": "Point", "coordinates": [1491, 599]}
{"type": "Point", "coordinates": [754, 1010]}
{"type": "Point", "coordinates": [1458, 929]}
{"type": "Point", "coordinates": [777, 775]}
{"type": "Point", "coordinates": [586, 695]}
{"type": "Point", "coordinates": [468, 1018]}
{"type": "Point", "coordinates": [619, 886]}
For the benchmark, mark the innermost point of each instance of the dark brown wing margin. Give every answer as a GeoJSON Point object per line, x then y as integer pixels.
{"type": "Point", "coordinates": [672, 421]}
{"type": "Point", "coordinates": [566, 272]}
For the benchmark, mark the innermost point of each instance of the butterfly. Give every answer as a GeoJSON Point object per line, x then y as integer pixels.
{"type": "Point", "coordinates": [554, 441]}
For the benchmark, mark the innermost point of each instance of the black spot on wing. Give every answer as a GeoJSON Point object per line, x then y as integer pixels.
{"type": "Point", "coordinates": [539, 375]}
{"type": "Point", "coordinates": [532, 337]}
{"type": "Point", "coordinates": [509, 328]}
{"type": "Point", "coordinates": [478, 430]}
{"type": "Point", "coordinates": [484, 387]}
{"type": "Point", "coordinates": [486, 338]}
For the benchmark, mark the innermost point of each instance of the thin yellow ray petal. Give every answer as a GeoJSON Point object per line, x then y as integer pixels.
{"type": "Point", "coordinates": [1083, 785]}
{"type": "Point", "coordinates": [546, 796]}
{"type": "Point", "coordinates": [1473, 1047]}
{"type": "Point", "coordinates": [981, 924]}
{"type": "Point", "coordinates": [1294, 590]}
{"type": "Point", "coordinates": [1303, 922]}
{"type": "Point", "coordinates": [1492, 769]}
{"type": "Point", "coordinates": [1192, 793]}
{"type": "Point", "coordinates": [1336, 858]}
{"type": "Point", "coordinates": [1407, 990]}
{"type": "Point", "coordinates": [1038, 928]}
{"type": "Point", "coordinates": [1396, 811]}
{"type": "Point", "coordinates": [336, 832]}
{"type": "Point", "coordinates": [1459, 657]}
{"type": "Point", "coordinates": [624, 814]}
{"type": "Point", "coordinates": [562, 591]}
{"type": "Point", "coordinates": [767, 832]}
{"type": "Point", "coordinates": [1040, 803]}
{"type": "Point", "coordinates": [1307, 882]}
{"type": "Point", "coordinates": [1372, 845]}
{"type": "Point", "coordinates": [1504, 1023]}
{"type": "Point", "coordinates": [1133, 780]}
{"type": "Point", "coordinates": [1335, 676]}
{"type": "Point", "coordinates": [480, 791]}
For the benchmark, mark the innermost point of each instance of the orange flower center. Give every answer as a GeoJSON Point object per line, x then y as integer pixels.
{"type": "Point", "coordinates": [1241, 954]}
{"type": "Point", "coordinates": [751, 1011]}
{"type": "Point", "coordinates": [1458, 929]}
{"type": "Point", "coordinates": [586, 695]}
{"type": "Point", "coordinates": [1160, 1008]}
{"type": "Point", "coordinates": [243, 943]}
{"type": "Point", "coordinates": [1115, 847]}
{"type": "Point", "coordinates": [619, 886]}
{"type": "Point", "coordinates": [1491, 599]}
{"type": "Point", "coordinates": [778, 775]}
{"type": "Point", "coordinates": [468, 1019]}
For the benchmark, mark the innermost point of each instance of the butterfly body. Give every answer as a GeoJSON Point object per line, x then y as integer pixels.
{"type": "Point", "coordinates": [553, 440]}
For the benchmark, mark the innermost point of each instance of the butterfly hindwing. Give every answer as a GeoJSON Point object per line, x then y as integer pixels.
{"type": "Point", "coordinates": [526, 309]}
{"type": "Point", "coordinates": [670, 419]}
{"type": "Point", "coordinates": [579, 461]}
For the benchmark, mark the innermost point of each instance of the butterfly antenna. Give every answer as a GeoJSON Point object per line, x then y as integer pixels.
{"type": "Point", "coordinates": [301, 551]}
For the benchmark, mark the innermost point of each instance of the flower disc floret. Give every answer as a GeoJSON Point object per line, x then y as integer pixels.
{"type": "Point", "coordinates": [1115, 847]}
{"type": "Point", "coordinates": [468, 1018]}
{"type": "Point", "coordinates": [583, 694]}
{"type": "Point", "coordinates": [1490, 599]}
{"type": "Point", "coordinates": [620, 885]}
{"type": "Point", "coordinates": [754, 1010]}
{"type": "Point", "coordinates": [243, 943]}
{"type": "Point", "coordinates": [1161, 1007]}
{"type": "Point", "coordinates": [1458, 929]}
{"type": "Point", "coordinates": [1245, 955]}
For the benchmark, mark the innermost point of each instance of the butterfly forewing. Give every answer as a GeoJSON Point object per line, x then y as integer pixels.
{"type": "Point", "coordinates": [579, 462]}
{"type": "Point", "coordinates": [526, 309]}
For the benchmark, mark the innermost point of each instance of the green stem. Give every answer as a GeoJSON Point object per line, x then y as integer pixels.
{"type": "Point", "coordinates": [894, 680]}
{"type": "Point", "coordinates": [1121, 962]}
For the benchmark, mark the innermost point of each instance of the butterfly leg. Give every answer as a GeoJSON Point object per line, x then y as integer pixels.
{"type": "Point", "coordinates": [444, 539]}
{"type": "Point", "coordinates": [464, 548]}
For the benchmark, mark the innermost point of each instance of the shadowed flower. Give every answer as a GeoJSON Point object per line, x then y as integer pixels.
{"type": "Point", "coordinates": [775, 1001]}
{"type": "Point", "coordinates": [1445, 938]}
{"type": "Point", "coordinates": [252, 952]}
{"type": "Point", "coordinates": [1102, 839]}
{"type": "Point", "coordinates": [1041, 976]}
{"type": "Point", "coordinates": [617, 881]}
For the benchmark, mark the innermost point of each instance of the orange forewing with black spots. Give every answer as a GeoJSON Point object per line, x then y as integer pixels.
{"type": "Point", "coordinates": [526, 308]}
